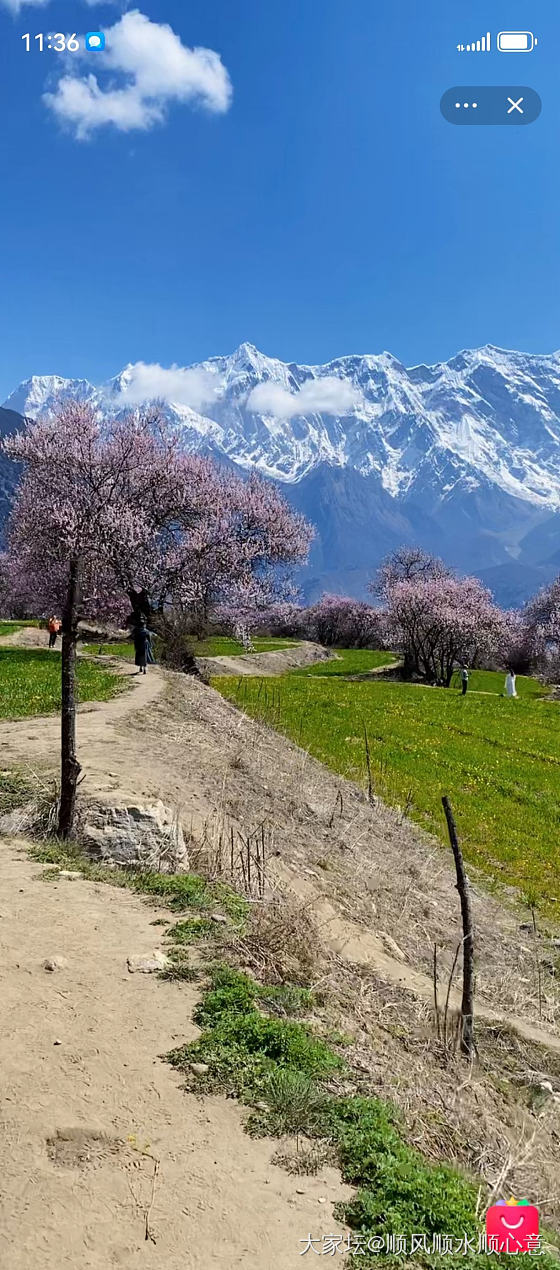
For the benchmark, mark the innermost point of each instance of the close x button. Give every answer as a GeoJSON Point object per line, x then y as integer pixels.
{"type": "Point", "coordinates": [490, 105]}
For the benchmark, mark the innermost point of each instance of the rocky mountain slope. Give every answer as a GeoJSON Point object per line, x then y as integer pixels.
{"type": "Point", "coordinates": [463, 456]}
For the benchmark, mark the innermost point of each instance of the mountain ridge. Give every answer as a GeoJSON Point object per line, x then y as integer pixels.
{"type": "Point", "coordinates": [465, 451]}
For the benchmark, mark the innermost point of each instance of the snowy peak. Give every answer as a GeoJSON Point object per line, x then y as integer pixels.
{"type": "Point", "coordinates": [41, 393]}
{"type": "Point", "coordinates": [487, 419]}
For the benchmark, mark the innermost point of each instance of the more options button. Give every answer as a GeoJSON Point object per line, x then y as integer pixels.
{"type": "Point", "coordinates": [490, 105]}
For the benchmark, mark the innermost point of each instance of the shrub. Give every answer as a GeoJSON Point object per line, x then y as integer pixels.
{"type": "Point", "coordinates": [176, 635]}
{"type": "Point", "coordinates": [338, 620]}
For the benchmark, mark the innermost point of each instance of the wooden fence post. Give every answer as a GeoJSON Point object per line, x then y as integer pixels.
{"type": "Point", "coordinates": [467, 1004]}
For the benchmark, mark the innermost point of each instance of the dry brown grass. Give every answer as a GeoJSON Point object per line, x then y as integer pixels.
{"type": "Point", "coordinates": [489, 1116]}
{"type": "Point", "coordinates": [282, 943]}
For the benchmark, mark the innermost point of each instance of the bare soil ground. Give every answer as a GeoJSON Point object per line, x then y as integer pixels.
{"type": "Point", "coordinates": [381, 893]}
{"type": "Point", "coordinates": [90, 1112]}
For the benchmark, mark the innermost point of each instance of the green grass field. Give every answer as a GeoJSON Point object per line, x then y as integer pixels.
{"type": "Point", "coordinates": [498, 760]}
{"type": "Point", "coordinates": [30, 682]}
{"type": "Point", "coordinates": [224, 646]}
{"type": "Point", "coordinates": [349, 661]}
{"type": "Point", "coordinates": [125, 650]}
{"type": "Point", "coordinates": [494, 681]}
{"type": "Point", "coordinates": [10, 628]}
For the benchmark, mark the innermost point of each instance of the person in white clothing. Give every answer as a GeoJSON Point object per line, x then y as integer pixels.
{"type": "Point", "coordinates": [511, 690]}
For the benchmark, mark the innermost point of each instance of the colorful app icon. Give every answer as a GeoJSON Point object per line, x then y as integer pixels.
{"type": "Point", "coordinates": [512, 1226]}
{"type": "Point", "coordinates": [95, 40]}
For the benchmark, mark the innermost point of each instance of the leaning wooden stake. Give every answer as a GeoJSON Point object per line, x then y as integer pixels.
{"type": "Point", "coordinates": [368, 766]}
{"type": "Point", "coordinates": [467, 1004]}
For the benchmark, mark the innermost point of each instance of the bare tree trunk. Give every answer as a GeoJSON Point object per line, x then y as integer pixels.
{"type": "Point", "coordinates": [467, 1004]}
{"type": "Point", "coordinates": [141, 605]}
{"type": "Point", "coordinates": [69, 766]}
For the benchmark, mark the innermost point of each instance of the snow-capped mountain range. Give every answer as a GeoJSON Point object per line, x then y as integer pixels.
{"type": "Point", "coordinates": [463, 456]}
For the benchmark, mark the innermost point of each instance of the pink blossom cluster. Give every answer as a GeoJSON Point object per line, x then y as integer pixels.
{"type": "Point", "coordinates": [140, 515]}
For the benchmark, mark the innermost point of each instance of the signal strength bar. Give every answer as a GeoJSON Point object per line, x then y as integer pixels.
{"type": "Point", "coordinates": [483, 45]}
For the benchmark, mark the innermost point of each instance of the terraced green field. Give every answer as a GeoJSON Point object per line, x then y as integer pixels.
{"type": "Point", "coordinates": [497, 759]}
{"type": "Point", "coordinates": [30, 682]}
{"type": "Point", "coordinates": [349, 661]}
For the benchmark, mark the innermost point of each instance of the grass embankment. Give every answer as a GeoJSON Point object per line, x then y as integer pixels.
{"type": "Point", "coordinates": [10, 628]}
{"type": "Point", "coordinates": [349, 661]}
{"type": "Point", "coordinates": [498, 760]}
{"type": "Point", "coordinates": [216, 646]}
{"type": "Point", "coordinates": [30, 682]}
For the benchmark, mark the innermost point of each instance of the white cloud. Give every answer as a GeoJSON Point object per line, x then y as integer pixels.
{"type": "Point", "coordinates": [329, 396]}
{"type": "Point", "coordinates": [152, 382]}
{"type": "Point", "coordinates": [145, 68]}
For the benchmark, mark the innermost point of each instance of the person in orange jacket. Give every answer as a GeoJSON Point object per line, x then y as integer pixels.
{"type": "Point", "coordinates": [54, 627]}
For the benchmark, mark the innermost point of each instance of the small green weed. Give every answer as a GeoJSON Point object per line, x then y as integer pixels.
{"type": "Point", "coordinates": [191, 929]}
{"type": "Point", "coordinates": [242, 1047]}
{"type": "Point", "coordinates": [180, 972]}
{"type": "Point", "coordinates": [296, 1106]}
{"type": "Point", "coordinates": [15, 791]}
{"type": "Point", "coordinates": [178, 891]}
{"type": "Point", "coordinates": [286, 998]}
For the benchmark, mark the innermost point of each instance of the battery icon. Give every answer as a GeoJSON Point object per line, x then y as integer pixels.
{"type": "Point", "coordinates": [516, 42]}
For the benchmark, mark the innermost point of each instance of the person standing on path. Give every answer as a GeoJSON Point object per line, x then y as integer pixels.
{"type": "Point", "coordinates": [464, 679]}
{"type": "Point", "coordinates": [143, 654]}
{"type": "Point", "coordinates": [511, 690]}
{"type": "Point", "coordinates": [54, 625]}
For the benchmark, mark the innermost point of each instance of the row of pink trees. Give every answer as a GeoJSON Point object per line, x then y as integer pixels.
{"type": "Point", "coordinates": [436, 619]}
{"type": "Point", "coordinates": [116, 516]}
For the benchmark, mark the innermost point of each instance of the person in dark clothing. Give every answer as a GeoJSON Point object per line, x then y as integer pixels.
{"type": "Point", "coordinates": [143, 654]}
{"type": "Point", "coordinates": [464, 679]}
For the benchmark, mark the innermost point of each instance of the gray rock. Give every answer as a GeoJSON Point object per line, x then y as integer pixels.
{"type": "Point", "coordinates": [199, 1069]}
{"type": "Point", "coordinates": [147, 963]}
{"type": "Point", "coordinates": [55, 963]}
{"type": "Point", "coordinates": [391, 946]}
{"type": "Point", "coordinates": [70, 873]}
{"type": "Point", "coordinates": [20, 821]}
{"type": "Point", "coordinates": [150, 837]}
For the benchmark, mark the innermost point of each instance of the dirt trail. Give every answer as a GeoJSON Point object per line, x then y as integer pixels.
{"type": "Point", "coordinates": [27, 637]}
{"type": "Point", "coordinates": [275, 663]}
{"type": "Point", "coordinates": [79, 1058]}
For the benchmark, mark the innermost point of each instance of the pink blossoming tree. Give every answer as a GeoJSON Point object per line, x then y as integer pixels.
{"type": "Point", "coordinates": [106, 514]}
{"type": "Point", "coordinates": [439, 621]}
{"type": "Point", "coordinates": [339, 620]}
{"type": "Point", "coordinates": [542, 628]}
{"type": "Point", "coordinates": [407, 564]}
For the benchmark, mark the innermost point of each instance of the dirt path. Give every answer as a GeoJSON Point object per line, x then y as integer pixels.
{"type": "Point", "coordinates": [275, 663]}
{"type": "Point", "coordinates": [79, 1058]}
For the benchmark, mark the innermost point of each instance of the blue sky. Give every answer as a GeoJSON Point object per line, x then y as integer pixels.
{"type": "Point", "coordinates": [326, 209]}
